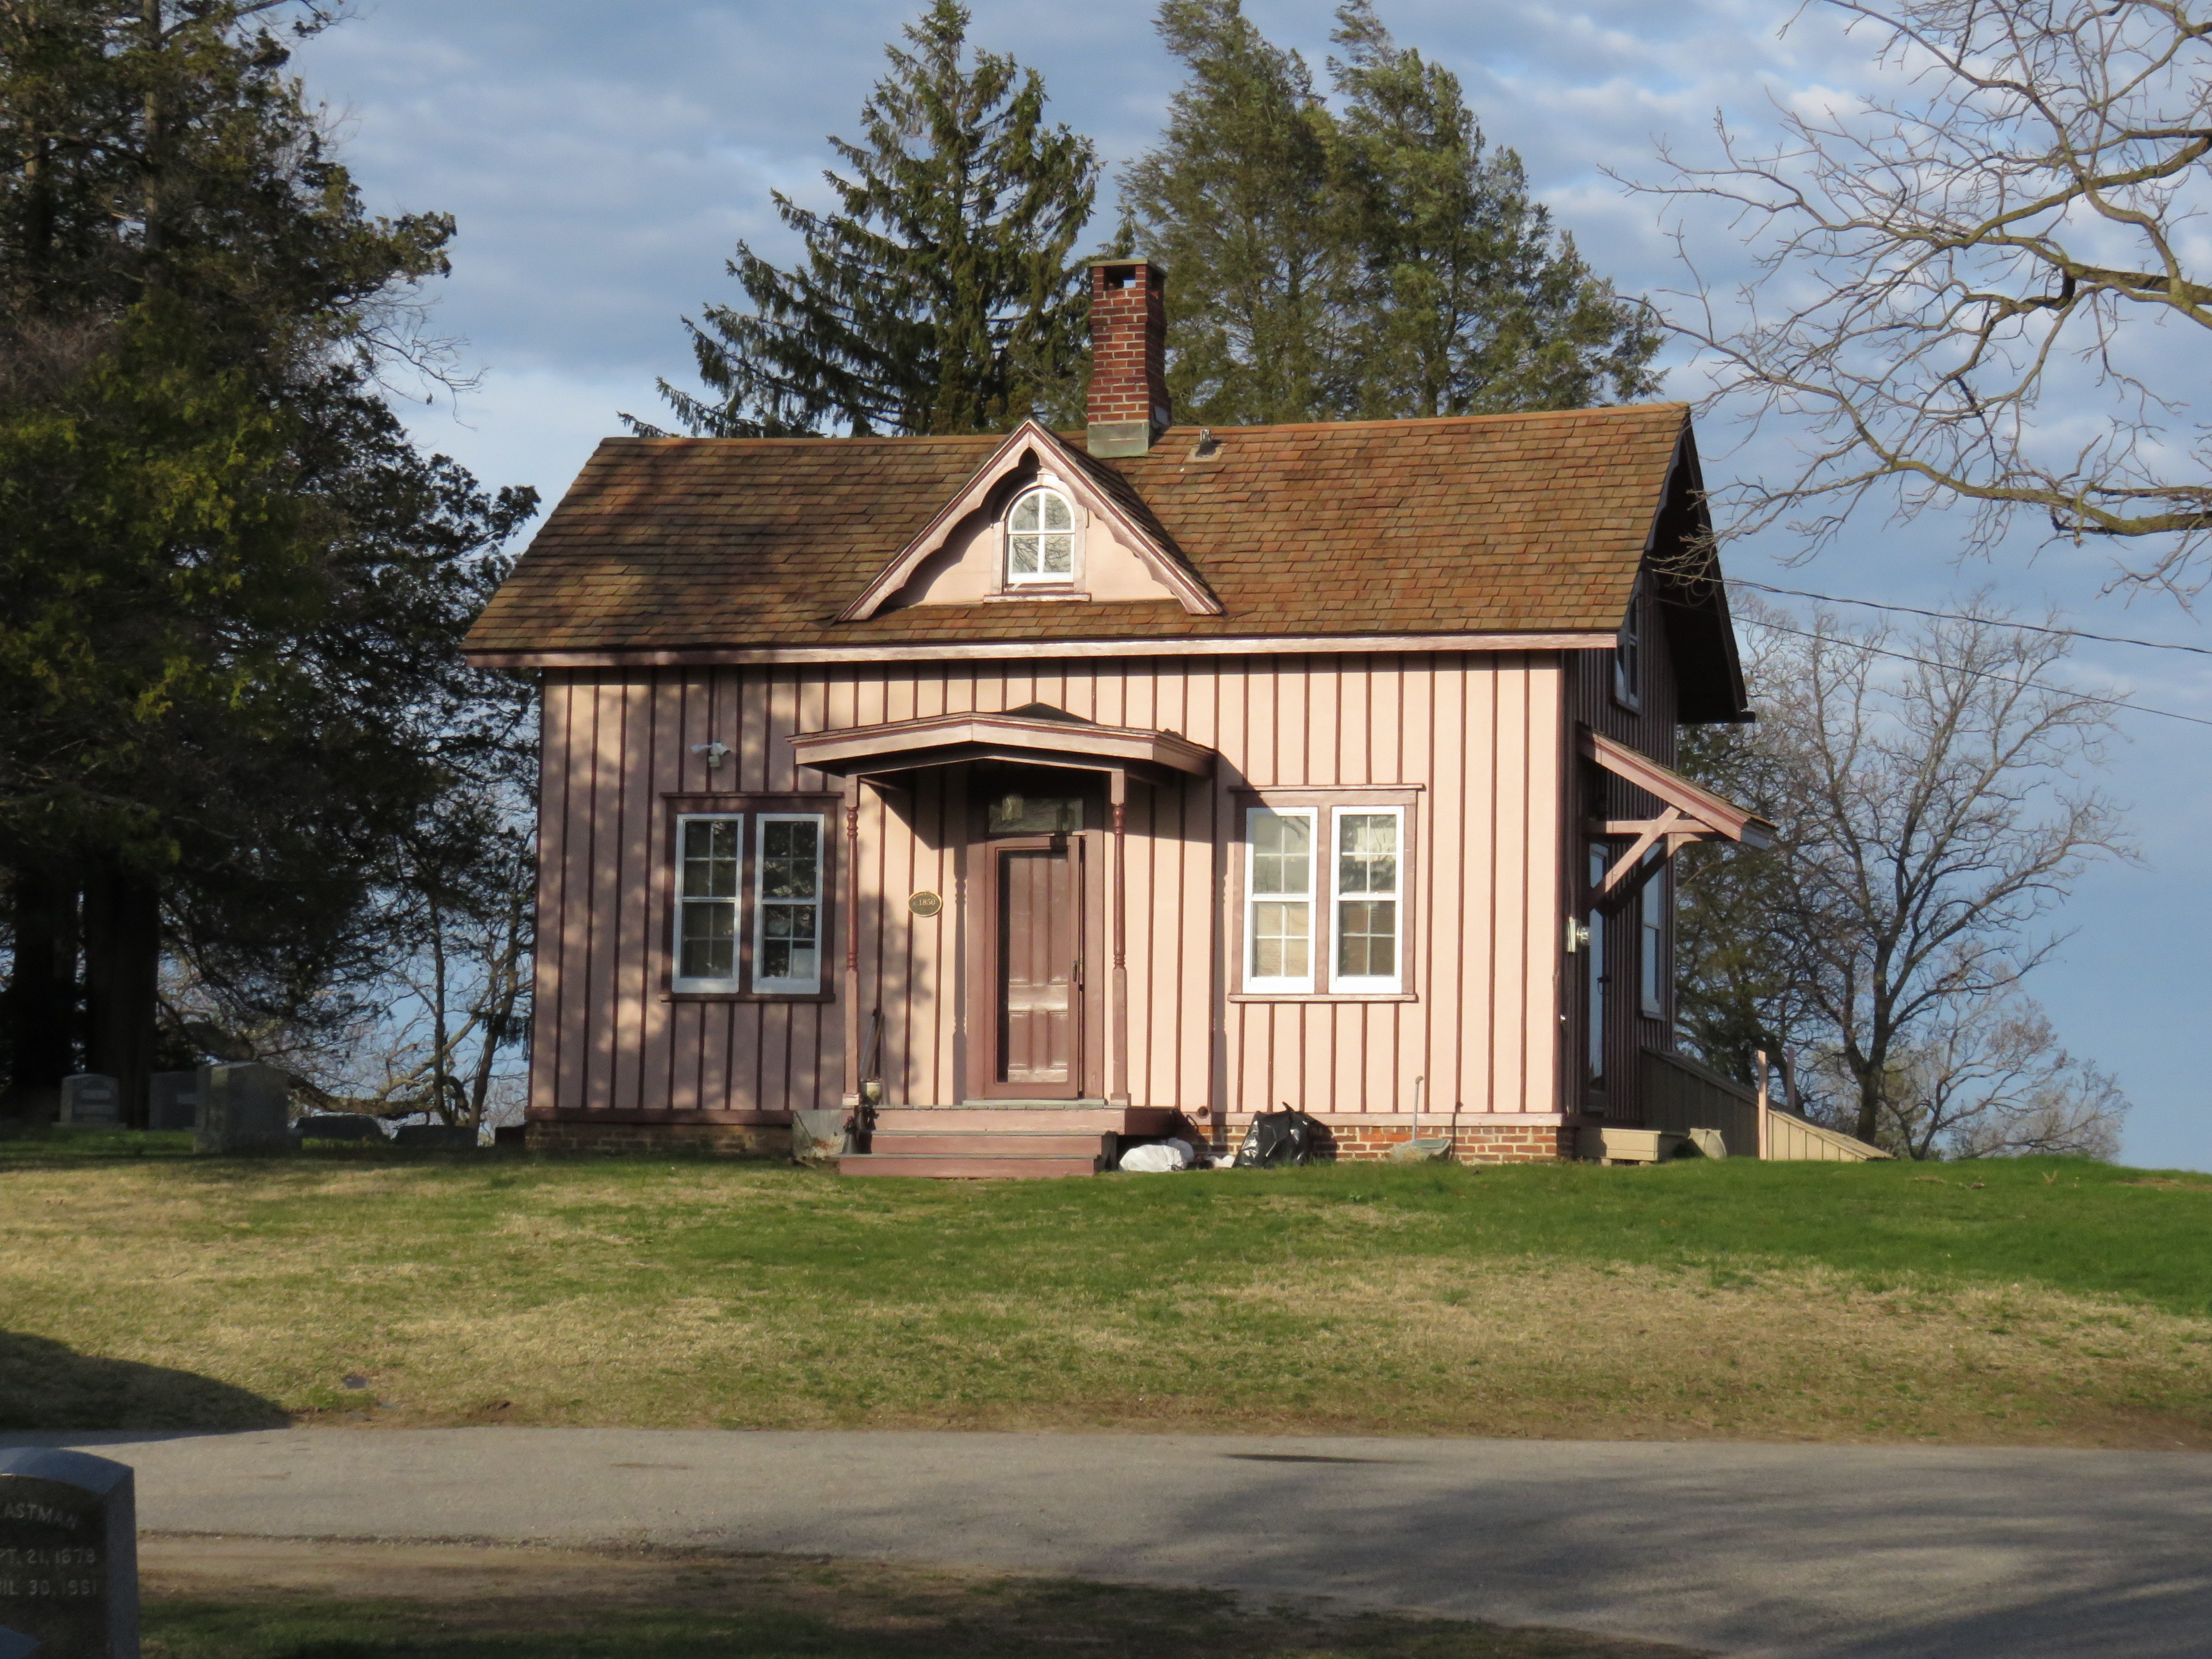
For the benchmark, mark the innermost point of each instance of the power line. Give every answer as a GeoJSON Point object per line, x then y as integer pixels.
{"type": "Point", "coordinates": [1986, 674]}
{"type": "Point", "coordinates": [1955, 616]}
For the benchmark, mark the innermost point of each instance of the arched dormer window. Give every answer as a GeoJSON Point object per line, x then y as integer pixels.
{"type": "Point", "coordinates": [1041, 537]}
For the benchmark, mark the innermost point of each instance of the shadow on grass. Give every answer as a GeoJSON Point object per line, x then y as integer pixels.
{"type": "Point", "coordinates": [48, 1386]}
{"type": "Point", "coordinates": [42, 1142]}
{"type": "Point", "coordinates": [992, 1620]}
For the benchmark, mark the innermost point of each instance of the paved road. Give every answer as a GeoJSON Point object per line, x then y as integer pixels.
{"type": "Point", "coordinates": [1797, 1551]}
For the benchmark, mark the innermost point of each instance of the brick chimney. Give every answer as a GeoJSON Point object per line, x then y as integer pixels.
{"type": "Point", "coordinates": [1128, 357]}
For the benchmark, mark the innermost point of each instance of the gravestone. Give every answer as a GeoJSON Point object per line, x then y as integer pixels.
{"type": "Point", "coordinates": [90, 1099]}
{"type": "Point", "coordinates": [242, 1107]}
{"type": "Point", "coordinates": [173, 1100]}
{"type": "Point", "coordinates": [69, 1555]}
{"type": "Point", "coordinates": [337, 1126]}
{"type": "Point", "coordinates": [435, 1137]}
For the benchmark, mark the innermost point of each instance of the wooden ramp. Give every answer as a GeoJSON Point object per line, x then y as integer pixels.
{"type": "Point", "coordinates": [1021, 1142]}
{"type": "Point", "coordinates": [1680, 1095]}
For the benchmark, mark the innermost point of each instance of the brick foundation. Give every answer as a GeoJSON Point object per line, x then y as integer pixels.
{"type": "Point", "coordinates": [1499, 1142]}
{"type": "Point", "coordinates": [715, 1140]}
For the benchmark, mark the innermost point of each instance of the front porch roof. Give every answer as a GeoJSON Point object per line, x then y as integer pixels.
{"type": "Point", "coordinates": [1036, 735]}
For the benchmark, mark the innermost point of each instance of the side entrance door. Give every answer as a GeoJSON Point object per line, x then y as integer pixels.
{"type": "Point", "coordinates": [1035, 971]}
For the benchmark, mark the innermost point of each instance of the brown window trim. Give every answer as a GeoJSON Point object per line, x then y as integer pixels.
{"type": "Point", "coordinates": [750, 996]}
{"type": "Point", "coordinates": [1406, 796]}
{"type": "Point", "coordinates": [674, 807]}
{"type": "Point", "coordinates": [1627, 688]}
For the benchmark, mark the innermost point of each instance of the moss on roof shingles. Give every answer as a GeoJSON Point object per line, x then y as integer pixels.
{"type": "Point", "coordinates": [1500, 523]}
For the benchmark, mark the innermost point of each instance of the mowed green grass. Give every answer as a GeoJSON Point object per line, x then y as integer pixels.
{"type": "Point", "coordinates": [2037, 1300]}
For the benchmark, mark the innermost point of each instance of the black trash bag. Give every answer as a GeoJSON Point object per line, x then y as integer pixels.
{"type": "Point", "coordinates": [1279, 1139]}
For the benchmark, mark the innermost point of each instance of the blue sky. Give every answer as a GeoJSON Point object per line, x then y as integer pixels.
{"type": "Point", "coordinates": [603, 159]}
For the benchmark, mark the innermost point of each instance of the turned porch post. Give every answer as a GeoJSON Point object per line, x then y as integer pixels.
{"type": "Point", "coordinates": [1118, 782]}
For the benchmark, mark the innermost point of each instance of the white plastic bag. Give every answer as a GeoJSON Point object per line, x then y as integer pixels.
{"type": "Point", "coordinates": [1159, 1157]}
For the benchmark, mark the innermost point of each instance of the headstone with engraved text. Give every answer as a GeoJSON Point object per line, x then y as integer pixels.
{"type": "Point", "coordinates": [93, 1100]}
{"type": "Point", "coordinates": [69, 1555]}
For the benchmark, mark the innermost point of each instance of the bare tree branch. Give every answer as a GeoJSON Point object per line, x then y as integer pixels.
{"type": "Point", "coordinates": [1929, 816]}
{"type": "Point", "coordinates": [1958, 292]}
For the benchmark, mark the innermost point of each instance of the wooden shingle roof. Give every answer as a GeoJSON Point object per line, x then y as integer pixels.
{"type": "Point", "coordinates": [1509, 523]}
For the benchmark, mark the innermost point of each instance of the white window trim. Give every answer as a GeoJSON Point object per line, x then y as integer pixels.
{"type": "Point", "coordinates": [1076, 518]}
{"type": "Point", "coordinates": [1281, 986]}
{"type": "Point", "coordinates": [1651, 936]}
{"type": "Point", "coordinates": [761, 986]}
{"type": "Point", "coordinates": [1366, 984]}
{"type": "Point", "coordinates": [736, 902]}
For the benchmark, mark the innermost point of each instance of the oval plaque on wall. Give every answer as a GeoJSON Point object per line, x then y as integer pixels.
{"type": "Point", "coordinates": [924, 904]}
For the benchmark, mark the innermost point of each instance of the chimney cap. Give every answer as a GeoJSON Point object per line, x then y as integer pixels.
{"type": "Point", "coordinates": [1126, 259]}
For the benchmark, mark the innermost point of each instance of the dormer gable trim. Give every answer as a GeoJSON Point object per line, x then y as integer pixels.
{"type": "Point", "coordinates": [1029, 439]}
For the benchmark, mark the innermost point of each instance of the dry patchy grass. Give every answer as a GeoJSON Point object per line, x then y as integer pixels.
{"type": "Point", "coordinates": [146, 1294]}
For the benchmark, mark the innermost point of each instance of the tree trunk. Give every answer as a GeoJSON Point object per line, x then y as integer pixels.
{"type": "Point", "coordinates": [1869, 1119]}
{"type": "Point", "coordinates": [122, 973]}
{"type": "Point", "coordinates": [42, 992]}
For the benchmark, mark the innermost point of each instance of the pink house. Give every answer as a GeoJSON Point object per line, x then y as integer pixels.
{"type": "Point", "coordinates": [1037, 788]}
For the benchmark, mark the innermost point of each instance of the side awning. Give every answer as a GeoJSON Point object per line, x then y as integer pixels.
{"type": "Point", "coordinates": [1036, 734]}
{"type": "Point", "coordinates": [1688, 812]}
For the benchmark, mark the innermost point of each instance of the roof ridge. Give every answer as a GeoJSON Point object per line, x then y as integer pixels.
{"type": "Point", "coordinates": [1499, 417]}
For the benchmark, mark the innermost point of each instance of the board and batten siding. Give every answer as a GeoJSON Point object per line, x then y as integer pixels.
{"type": "Point", "coordinates": [1650, 727]}
{"type": "Point", "coordinates": [1478, 733]}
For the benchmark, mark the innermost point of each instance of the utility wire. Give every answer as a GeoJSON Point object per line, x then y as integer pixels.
{"type": "Point", "coordinates": [1985, 673]}
{"type": "Point", "coordinates": [1954, 616]}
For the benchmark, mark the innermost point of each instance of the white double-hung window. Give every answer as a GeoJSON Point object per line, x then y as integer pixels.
{"type": "Point", "coordinates": [1369, 855]}
{"type": "Point", "coordinates": [787, 902]}
{"type": "Point", "coordinates": [706, 855]}
{"type": "Point", "coordinates": [750, 887]}
{"type": "Point", "coordinates": [1279, 899]}
{"type": "Point", "coordinates": [1325, 899]}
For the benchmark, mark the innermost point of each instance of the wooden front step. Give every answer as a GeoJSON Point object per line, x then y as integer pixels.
{"type": "Point", "coordinates": [984, 1143]}
{"type": "Point", "coordinates": [1021, 1140]}
{"type": "Point", "coordinates": [1082, 1117]}
{"type": "Point", "coordinates": [1002, 1146]}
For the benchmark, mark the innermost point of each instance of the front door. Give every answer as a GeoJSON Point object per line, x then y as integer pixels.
{"type": "Point", "coordinates": [1036, 976]}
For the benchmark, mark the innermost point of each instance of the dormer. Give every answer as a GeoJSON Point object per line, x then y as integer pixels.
{"type": "Point", "coordinates": [1035, 525]}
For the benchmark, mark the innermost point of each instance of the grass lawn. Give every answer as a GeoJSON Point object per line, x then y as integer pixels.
{"type": "Point", "coordinates": [297, 1599]}
{"type": "Point", "coordinates": [2030, 1302]}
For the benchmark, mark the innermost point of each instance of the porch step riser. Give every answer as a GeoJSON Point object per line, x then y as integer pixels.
{"type": "Point", "coordinates": [1081, 1120]}
{"type": "Point", "coordinates": [918, 1142]}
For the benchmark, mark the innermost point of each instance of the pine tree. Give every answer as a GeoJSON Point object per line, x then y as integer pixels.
{"type": "Point", "coordinates": [235, 589]}
{"type": "Point", "coordinates": [940, 296]}
{"type": "Point", "coordinates": [1236, 201]}
{"type": "Point", "coordinates": [1464, 301]}
{"type": "Point", "coordinates": [1376, 264]}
